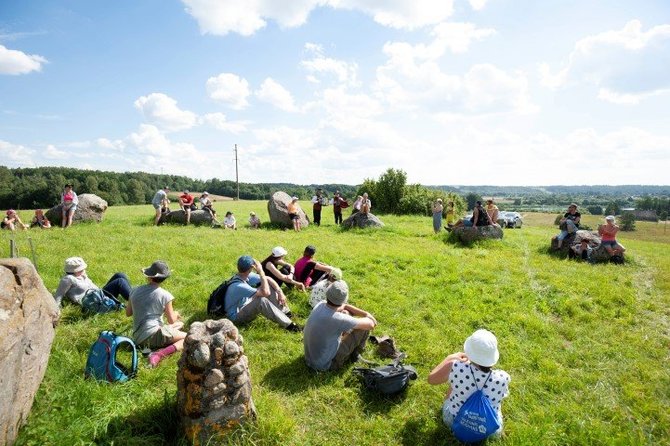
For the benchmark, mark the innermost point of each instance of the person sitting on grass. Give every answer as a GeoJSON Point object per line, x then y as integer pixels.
{"type": "Point", "coordinates": [75, 283]}
{"type": "Point", "coordinates": [470, 371]}
{"type": "Point", "coordinates": [251, 294]}
{"type": "Point", "coordinates": [229, 222]}
{"type": "Point", "coordinates": [69, 202]}
{"type": "Point", "coordinates": [40, 220]}
{"type": "Point", "coordinates": [318, 291]}
{"type": "Point", "coordinates": [280, 270]}
{"type": "Point", "coordinates": [11, 220]}
{"type": "Point", "coordinates": [254, 221]}
{"type": "Point", "coordinates": [186, 202]}
{"type": "Point", "coordinates": [568, 224]}
{"type": "Point", "coordinates": [608, 232]}
{"type": "Point", "coordinates": [160, 203]}
{"type": "Point", "coordinates": [307, 270]}
{"type": "Point", "coordinates": [147, 305]}
{"type": "Point", "coordinates": [293, 209]}
{"type": "Point", "coordinates": [336, 332]}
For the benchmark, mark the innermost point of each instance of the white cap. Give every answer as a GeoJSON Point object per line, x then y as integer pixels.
{"type": "Point", "coordinates": [74, 265]}
{"type": "Point", "coordinates": [482, 348]}
{"type": "Point", "coordinates": [609, 218]}
{"type": "Point", "coordinates": [278, 251]}
{"type": "Point", "coordinates": [294, 198]}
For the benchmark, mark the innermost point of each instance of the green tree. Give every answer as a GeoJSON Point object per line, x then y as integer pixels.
{"type": "Point", "coordinates": [471, 199]}
{"type": "Point", "coordinates": [612, 208]}
{"type": "Point", "coordinates": [389, 190]}
{"type": "Point", "coordinates": [627, 221]}
{"type": "Point", "coordinates": [136, 193]}
{"type": "Point", "coordinates": [595, 210]}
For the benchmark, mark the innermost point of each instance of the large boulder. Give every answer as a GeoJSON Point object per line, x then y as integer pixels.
{"type": "Point", "coordinates": [468, 235]}
{"type": "Point", "coordinates": [90, 208]}
{"type": "Point", "coordinates": [198, 217]}
{"type": "Point", "coordinates": [28, 314]}
{"type": "Point", "coordinates": [278, 210]}
{"type": "Point", "coordinates": [213, 382]}
{"type": "Point", "coordinates": [361, 220]}
{"type": "Point", "coordinates": [599, 253]}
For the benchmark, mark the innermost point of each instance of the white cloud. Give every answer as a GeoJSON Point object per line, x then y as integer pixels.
{"type": "Point", "coordinates": [16, 155]}
{"type": "Point", "coordinates": [319, 65]}
{"type": "Point", "coordinates": [274, 93]}
{"type": "Point", "coordinates": [161, 110]}
{"type": "Point", "coordinates": [477, 5]}
{"type": "Point", "coordinates": [221, 17]}
{"type": "Point", "coordinates": [457, 37]}
{"type": "Point", "coordinates": [625, 65]}
{"type": "Point", "coordinates": [18, 62]}
{"type": "Point", "coordinates": [230, 89]}
{"type": "Point", "coordinates": [220, 122]}
{"type": "Point", "coordinates": [51, 152]}
{"type": "Point", "coordinates": [116, 145]}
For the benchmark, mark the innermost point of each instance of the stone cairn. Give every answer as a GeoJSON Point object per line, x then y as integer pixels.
{"type": "Point", "coordinates": [213, 381]}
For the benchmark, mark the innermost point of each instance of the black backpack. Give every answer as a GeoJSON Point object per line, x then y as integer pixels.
{"type": "Point", "coordinates": [388, 379]}
{"type": "Point", "coordinates": [216, 305]}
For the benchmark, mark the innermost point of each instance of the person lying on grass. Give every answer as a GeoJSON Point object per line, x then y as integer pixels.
{"type": "Point", "coordinates": [251, 294]}
{"type": "Point", "coordinates": [470, 371]}
{"type": "Point", "coordinates": [75, 283]}
{"type": "Point", "coordinates": [608, 233]}
{"type": "Point", "coordinates": [147, 305]}
{"type": "Point", "coordinates": [336, 332]}
{"type": "Point", "coordinates": [279, 269]}
{"type": "Point", "coordinates": [307, 270]}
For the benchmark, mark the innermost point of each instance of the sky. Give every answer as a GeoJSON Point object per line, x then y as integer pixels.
{"type": "Point", "coordinates": [454, 92]}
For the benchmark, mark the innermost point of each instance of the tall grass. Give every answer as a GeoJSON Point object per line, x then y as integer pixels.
{"type": "Point", "coordinates": [586, 345]}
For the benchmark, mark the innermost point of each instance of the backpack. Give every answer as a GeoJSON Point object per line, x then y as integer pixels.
{"type": "Point", "coordinates": [476, 420]}
{"type": "Point", "coordinates": [97, 301]}
{"type": "Point", "coordinates": [216, 304]}
{"type": "Point", "coordinates": [102, 364]}
{"type": "Point", "coordinates": [388, 379]}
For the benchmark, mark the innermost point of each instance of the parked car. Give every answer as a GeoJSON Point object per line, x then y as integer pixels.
{"type": "Point", "coordinates": [508, 219]}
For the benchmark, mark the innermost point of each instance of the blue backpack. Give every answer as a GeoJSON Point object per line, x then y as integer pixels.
{"type": "Point", "coordinates": [102, 363]}
{"type": "Point", "coordinates": [97, 301]}
{"type": "Point", "coordinates": [476, 420]}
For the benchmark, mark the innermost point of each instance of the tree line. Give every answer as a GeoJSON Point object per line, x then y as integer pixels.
{"type": "Point", "coordinates": [41, 187]}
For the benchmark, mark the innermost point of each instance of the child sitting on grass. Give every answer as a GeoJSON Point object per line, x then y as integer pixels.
{"type": "Point", "coordinates": [147, 304]}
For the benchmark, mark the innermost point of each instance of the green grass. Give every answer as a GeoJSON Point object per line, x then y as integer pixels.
{"type": "Point", "coordinates": [586, 346]}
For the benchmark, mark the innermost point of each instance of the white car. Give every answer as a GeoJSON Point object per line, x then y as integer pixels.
{"type": "Point", "coordinates": [507, 219]}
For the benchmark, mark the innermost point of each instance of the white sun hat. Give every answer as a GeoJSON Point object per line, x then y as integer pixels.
{"type": "Point", "coordinates": [482, 348]}
{"type": "Point", "coordinates": [278, 251]}
{"type": "Point", "coordinates": [74, 264]}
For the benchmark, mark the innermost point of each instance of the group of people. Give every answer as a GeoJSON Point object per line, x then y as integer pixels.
{"type": "Point", "coordinates": [68, 202]}
{"type": "Point", "coordinates": [570, 223]}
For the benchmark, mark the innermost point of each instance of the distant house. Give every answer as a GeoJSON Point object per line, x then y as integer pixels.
{"type": "Point", "coordinates": [648, 215]}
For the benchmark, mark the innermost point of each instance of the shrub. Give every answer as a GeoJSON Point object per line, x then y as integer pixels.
{"type": "Point", "coordinates": [595, 210]}
{"type": "Point", "coordinates": [627, 221]}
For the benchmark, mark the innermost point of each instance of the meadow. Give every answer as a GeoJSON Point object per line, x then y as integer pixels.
{"type": "Point", "coordinates": [587, 346]}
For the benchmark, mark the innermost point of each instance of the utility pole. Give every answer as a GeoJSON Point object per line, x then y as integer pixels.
{"type": "Point", "coordinates": [237, 175]}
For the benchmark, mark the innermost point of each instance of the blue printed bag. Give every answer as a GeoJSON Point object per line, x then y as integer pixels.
{"type": "Point", "coordinates": [97, 301]}
{"type": "Point", "coordinates": [102, 363]}
{"type": "Point", "coordinates": [476, 420]}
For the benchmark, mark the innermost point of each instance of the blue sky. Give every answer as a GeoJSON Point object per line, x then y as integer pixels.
{"type": "Point", "coordinates": [453, 92]}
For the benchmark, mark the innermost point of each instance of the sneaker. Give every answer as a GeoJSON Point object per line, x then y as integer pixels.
{"type": "Point", "coordinates": [295, 328]}
{"type": "Point", "coordinates": [154, 359]}
{"type": "Point", "coordinates": [289, 314]}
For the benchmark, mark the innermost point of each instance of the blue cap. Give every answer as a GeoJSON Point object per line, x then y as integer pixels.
{"type": "Point", "coordinates": [245, 263]}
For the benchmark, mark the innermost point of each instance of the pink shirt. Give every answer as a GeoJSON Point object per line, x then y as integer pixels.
{"type": "Point", "coordinates": [299, 268]}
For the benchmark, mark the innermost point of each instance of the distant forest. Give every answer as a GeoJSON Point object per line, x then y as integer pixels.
{"type": "Point", "coordinates": [29, 188]}
{"type": "Point", "coordinates": [41, 187]}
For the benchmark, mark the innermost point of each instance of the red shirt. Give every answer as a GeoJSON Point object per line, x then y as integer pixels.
{"type": "Point", "coordinates": [186, 199]}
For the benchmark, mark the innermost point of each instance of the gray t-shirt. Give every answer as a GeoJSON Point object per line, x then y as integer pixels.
{"type": "Point", "coordinates": [159, 197]}
{"type": "Point", "coordinates": [148, 302]}
{"type": "Point", "coordinates": [74, 288]}
{"type": "Point", "coordinates": [321, 336]}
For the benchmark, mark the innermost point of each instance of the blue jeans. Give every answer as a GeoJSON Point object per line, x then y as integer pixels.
{"type": "Point", "coordinates": [118, 285]}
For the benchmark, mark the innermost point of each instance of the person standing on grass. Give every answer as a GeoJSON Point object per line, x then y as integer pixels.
{"type": "Point", "coordinates": [251, 294]}
{"type": "Point", "coordinates": [437, 215]}
{"type": "Point", "coordinates": [279, 269]}
{"type": "Point", "coordinates": [159, 202]}
{"type": "Point", "coordinates": [307, 270]}
{"type": "Point", "coordinates": [608, 232]}
{"type": "Point", "coordinates": [147, 305]}
{"type": "Point", "coordinates": [339, 203]}
{"type": "Point", "coordinates": [186, 202]}
{"type": "Point", "coordinates": [451, 216]}
{"type": "Point", "coordinates": [469, 371]}
{"type": "Point", "coordinates": [68, 202]}
{"type": "Point", "coordinates": [336, 332]}
{"type": "Point", "coordinates": [316, 206]}
{"type": "Point", "coordinates": [568, 224]}
{"type": "Point", "coordinates": [293, 213]}
{"type": "Point", "coordinates": [75, 283]}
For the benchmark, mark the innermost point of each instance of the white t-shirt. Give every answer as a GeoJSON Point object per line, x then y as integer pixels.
{"type": "Point", "coordinates": [463, 385]}
{"type": "Point", "coordinates": [229, 221]}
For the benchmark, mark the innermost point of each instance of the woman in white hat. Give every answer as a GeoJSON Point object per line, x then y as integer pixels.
{"type": "Point", "coordinates": [608, 233]}
{"type": "Point", "coordinates": [278, 269]}
{"type": "Point", "coordinates": [469, 371]}
{"type": "Point", "coordinates": [75, 283]}
{"type": "Point", "coordinates": [147, 305]}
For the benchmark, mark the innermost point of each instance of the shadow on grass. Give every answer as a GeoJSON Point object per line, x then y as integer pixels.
{"type": "Point", "coordinates": [295, 377]}
{"type": "Point", "coordinates": [378, 403]}
{"type": "Point", "coordinates": [158, 424]}
{"type": "Point", "coordinates": [427, 432]}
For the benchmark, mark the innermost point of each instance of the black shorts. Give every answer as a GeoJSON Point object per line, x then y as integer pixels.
{"type": "Point", "coordinates": [293, 216]}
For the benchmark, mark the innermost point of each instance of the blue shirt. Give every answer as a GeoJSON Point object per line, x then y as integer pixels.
{"type": "Point", "coordinates": [239, 293]}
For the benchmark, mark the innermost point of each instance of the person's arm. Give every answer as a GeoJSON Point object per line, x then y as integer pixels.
{"type": "Point", "coordinates": [129, 308]}
{"type": "Point", "coordinates": [281, 297]}
{"type": "Point", "coordinates": [63, 287]}
{"type": "Point", "coordinates": [171, 314]}
{"type": "Point", "coordinates": [75, 199]}
{"type": "Point", "coordinates": [440, 374]}
{"type": "Point", "coordinates": [264, 288]}
{"type": "Point", "coordinates": [285, 277]}
{"type": "Point", "coordinates": [475, 217]}
{"type": "Point", "coordinates": [355, 311]}
{"type": "Point", "coordinates": [576, 220]}
{"type": "Point", "coordinates": [323, 267]}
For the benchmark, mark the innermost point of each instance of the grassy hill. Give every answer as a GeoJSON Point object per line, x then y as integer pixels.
{"type": "Point", "coordinates": [586, 346]}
